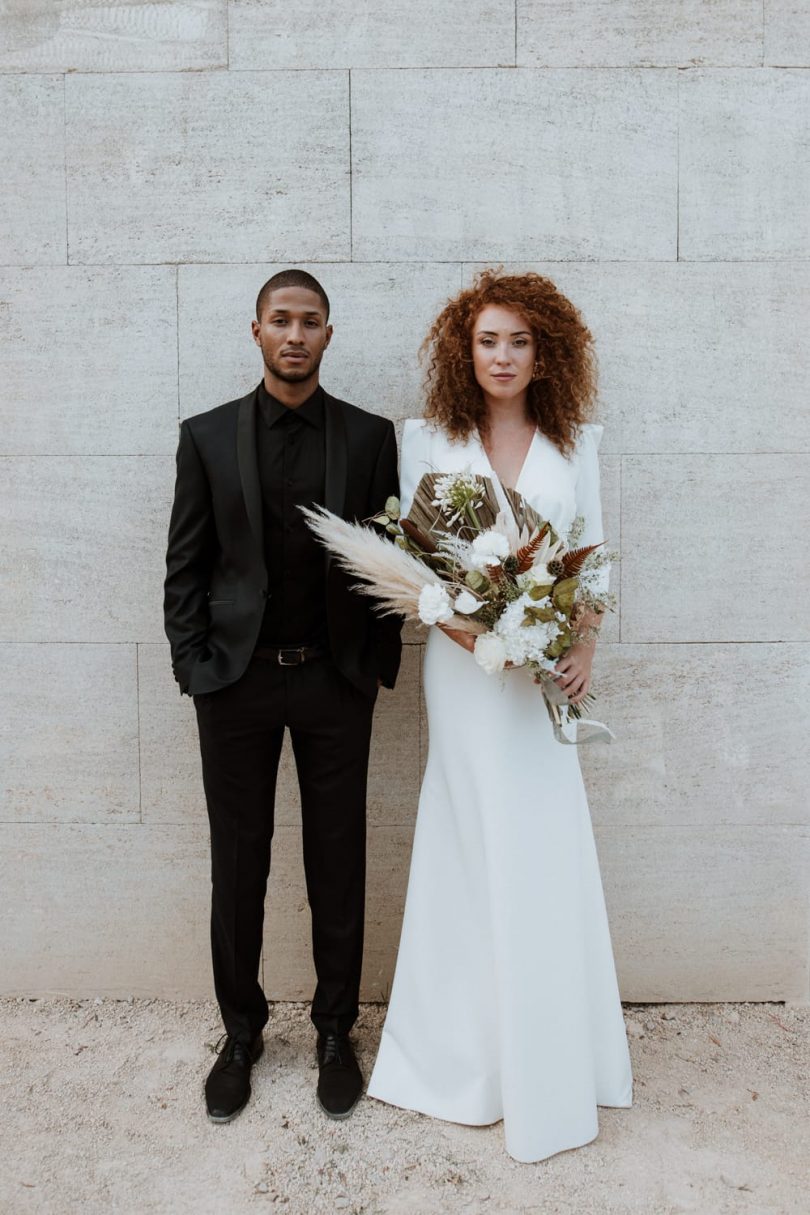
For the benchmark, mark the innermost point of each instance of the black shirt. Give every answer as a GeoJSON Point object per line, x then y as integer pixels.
{"type": "Point", "coordinates": [292, 470]}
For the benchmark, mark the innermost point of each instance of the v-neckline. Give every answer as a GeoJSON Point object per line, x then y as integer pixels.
{"type": "Point", "coordinates": [516, 488]}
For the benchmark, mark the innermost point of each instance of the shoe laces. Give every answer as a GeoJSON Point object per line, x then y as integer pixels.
{"type": "Point", "coordinates": [232, 1049]}
{"type": "Point", "coordinates": [331, 1052]}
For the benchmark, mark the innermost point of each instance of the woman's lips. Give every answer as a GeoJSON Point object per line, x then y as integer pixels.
{"type": "Point", "coordinates": [502, 375]}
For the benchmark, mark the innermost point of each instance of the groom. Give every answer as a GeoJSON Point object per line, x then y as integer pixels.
{"type": "Point", "coordinates": [266, 635]}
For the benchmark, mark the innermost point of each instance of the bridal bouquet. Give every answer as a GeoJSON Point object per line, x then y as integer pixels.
{"type": "Point", "coordinates": [505, 576]}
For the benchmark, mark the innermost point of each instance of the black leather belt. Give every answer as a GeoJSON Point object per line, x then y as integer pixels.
{"type": "Point", "coordinates": [290, 655]}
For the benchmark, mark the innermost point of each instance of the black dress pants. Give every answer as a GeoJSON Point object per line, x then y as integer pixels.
{"type": "Point", "coordinates": [241, 731]}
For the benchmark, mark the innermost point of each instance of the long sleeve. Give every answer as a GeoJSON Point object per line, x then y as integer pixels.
{"type": "Point", "coordinates": [189, 560]}
{"type": "Point", "coordinates": [588, 497]}
{"type": "Point", "coordinates": [413, 463]}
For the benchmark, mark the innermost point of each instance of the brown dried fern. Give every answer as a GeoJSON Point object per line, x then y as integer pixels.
{"type": "Point", "coordinates": [573, 562]}
{"type": "Point", "coordinates": [525, 555]}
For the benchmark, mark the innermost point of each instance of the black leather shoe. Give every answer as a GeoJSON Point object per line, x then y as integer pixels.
{"type": "Point", "coordinates": [227, 1089]}
{"type": "Point", "coordinates": [340, 1081]}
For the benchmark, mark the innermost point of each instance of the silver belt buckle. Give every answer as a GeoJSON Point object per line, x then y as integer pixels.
{"type": "Point", "coordinates": [282, 662]}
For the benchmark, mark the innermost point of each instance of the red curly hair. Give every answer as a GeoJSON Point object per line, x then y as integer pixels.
{"type": "Point", "coordinates": [563, 395]}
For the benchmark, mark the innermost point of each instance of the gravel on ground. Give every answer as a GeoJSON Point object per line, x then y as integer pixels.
{"type": "Point", "coordinates": [103, 1113]}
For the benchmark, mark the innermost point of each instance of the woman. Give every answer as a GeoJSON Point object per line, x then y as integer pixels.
{"type": "Point", "coordinates": [505, 1003]}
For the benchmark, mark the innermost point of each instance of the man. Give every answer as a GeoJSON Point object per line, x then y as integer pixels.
{"type": "Point", "coordinates": [267, 634]}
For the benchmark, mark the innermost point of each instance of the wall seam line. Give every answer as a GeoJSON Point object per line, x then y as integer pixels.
{"type": "Point", "coordinates": [138, 708]}
{"type": "Point", "coordinates": [678, 168]}
{"type": "Point", "coordinates": [177, 334]}
{"type": "Point", "coordinates": [351, 176]}
{"type": "Point", "coordinates": [65, 165]}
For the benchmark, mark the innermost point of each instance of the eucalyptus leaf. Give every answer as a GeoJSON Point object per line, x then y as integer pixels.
{"type": "Point", "coordinates": [564, 593]}
{"type": "Point", "coordinates": [541, 614]}
{"type": "Point", "coordinates": [392, 507]}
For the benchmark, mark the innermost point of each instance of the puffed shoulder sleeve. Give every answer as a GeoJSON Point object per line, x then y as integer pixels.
{"type": "Point", "coordinates": [413, 461]}
{"type": "Point", "coordinates": [588, 496]}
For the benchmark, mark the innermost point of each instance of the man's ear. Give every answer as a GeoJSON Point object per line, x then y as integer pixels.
{"type": "Point", "coordinates": [255, 329]}
{"type": "Point", "coordinates": [329, 332]}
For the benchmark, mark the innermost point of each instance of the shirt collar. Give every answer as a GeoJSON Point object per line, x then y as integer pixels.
{"type": "Point", "coordinates": [273, 410]}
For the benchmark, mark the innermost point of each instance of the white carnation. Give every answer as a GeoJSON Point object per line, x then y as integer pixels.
{"type": "Point", "coordinates": [434, 604]}
{"type": "Point", "coordinates": [522, 642]}
{"type": "Point", "coordinates": [490, 653]}
{"type": "Point", "coordinates": [466, 603]}
{"type": "Point", "coordinates": [488, 548]}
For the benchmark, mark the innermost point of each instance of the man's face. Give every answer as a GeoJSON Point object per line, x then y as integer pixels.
{"type": "Point", "coordinates": [292, 334]}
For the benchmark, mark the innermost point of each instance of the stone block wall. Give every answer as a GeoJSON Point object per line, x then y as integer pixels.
{"type": "Point", "coordinates": [160, 160]}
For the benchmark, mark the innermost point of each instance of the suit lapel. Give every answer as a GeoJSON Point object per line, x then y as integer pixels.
{"type": "Point", "coordinates": [337, 456]}
{"type": "Point", "coordinates": [248, 462]}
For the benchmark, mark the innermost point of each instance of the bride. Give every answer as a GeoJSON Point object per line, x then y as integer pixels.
{"type": "Point", "coordinates": [505, 1003]}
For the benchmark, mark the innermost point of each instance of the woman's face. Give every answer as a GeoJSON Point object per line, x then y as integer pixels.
{"type": "Point", "coordinates": [504, 352]}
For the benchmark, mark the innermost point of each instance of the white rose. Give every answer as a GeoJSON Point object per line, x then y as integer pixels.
{"type": "Point", "coordinates": [466, 603]}
{"type": "Point", "coordinates": [488, 548]}
{"type": "Point", "coordinates": [490, 653]}
{"type": "Point", "coordinates": [434, 604]}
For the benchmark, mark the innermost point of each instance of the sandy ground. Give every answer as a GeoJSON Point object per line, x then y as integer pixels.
{"type": "Point", "coordinates": [102, 1104]}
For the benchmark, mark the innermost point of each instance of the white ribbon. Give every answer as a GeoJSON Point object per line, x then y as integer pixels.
{"type": "Point", "coordinates": [569, 729]}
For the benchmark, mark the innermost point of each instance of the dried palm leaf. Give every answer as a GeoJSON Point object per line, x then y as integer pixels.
{"type": "Point", "coordinates": [525, 515]}
{"type": "Point", "coordinates": [428, 518]}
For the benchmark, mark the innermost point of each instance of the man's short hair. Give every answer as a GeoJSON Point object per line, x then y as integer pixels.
{"type": "Point", "coordinates": [290, 278]}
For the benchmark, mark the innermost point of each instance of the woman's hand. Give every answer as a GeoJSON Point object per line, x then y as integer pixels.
{"type": "Point", "coordinates": [574, 671]}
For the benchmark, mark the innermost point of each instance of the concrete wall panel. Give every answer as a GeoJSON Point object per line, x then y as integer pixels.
{"type": "Point", "coordinates": [641, 33]}
{"type": "Point", "coordinates": [88, 360]}
{"type": "Point", "coordinates": [113, 911]}
{"type": "Point", "coordinates": [715, 548]}
{"type": "Point", "coordinates": [366, 33]}
{"type": "Point", "coordinates": [708, 735]}
{"type": "Point", "coordinates": [510, 183]}
{"type": "Point", "coordinates": [171, 778]}
{"type": "Point", "coordinates": [82, 547]}
{"type": "Point", "coordinates": [123, 35]}
{"type": "Point", "coordinates": [68, 734]}
{"type": "Point", "coordinates": [694, 914]}
{"type": "Point", "coordinates": [744, 165]}
{"type": "Point", "coordinates": [787, 33]}
{"type": "Point", "coordinates": [32, 184]}
{"type": "Point", "coordinates": [178, 167]}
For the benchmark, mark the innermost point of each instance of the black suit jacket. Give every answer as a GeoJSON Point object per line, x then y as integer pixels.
{"type": "Point", "coordinates": [216, 581]}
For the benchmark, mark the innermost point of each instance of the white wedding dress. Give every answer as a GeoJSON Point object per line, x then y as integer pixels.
{"type": "Point", "coordinates": [505, 1003]}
